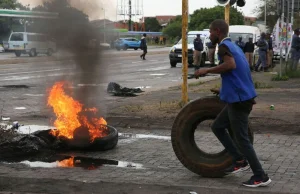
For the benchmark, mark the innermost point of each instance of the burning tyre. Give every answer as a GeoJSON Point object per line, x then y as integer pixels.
{"type": "Point", "coordinates": [81, 140]}
{"type": "Point", "coordinates": [77, 126]}
{"type": "Point", "coordinates": [183, 138]}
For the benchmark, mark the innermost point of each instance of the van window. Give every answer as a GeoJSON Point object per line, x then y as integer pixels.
{"type": "Point", "coordinates": [17, 37]}
{"type": "Point", "coordinates": [235, 36]}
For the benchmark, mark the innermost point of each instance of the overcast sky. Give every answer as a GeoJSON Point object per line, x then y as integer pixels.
{"type": "Point", "coordinates": [151, 7]}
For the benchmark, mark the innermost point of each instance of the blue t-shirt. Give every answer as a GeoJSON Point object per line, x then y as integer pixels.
{"type": "Point", "coordinates": [237, 84]}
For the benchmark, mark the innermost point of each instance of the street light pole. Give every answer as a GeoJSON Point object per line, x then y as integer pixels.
{"type": "Point", "coordinates": [266, 13]}
{"type": "Point", "coordinates": [104, 34]}
{"type": "Point", "coordinates": [227, 13]}
{"type": "Point", "coordinates": [185, 16]}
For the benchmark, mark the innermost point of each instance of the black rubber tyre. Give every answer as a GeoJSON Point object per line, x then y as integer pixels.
{"type": "Point", "coordinates": [18, 53]}
{"type": "Point", "coordinates": [100, 144]}
{"type": "Point", "coordinates": [173, 64]}
{"type": "Point", "coordinates": [125, 47]}
{"type": "Point", "coordinates": [50, 52]}
{"type": "Point", "coordinates": [183, 141]}
{"type": "Point", "coordinates": [32, 53]}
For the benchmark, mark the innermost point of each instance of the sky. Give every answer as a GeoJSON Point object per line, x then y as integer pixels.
{"type": "Point", "coordinates": [151, 7]}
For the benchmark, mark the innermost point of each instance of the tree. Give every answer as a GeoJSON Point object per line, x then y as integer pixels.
{"type": "Point", "coordinates": [152, 24]}
{"type": "Point", "coordinates": [174, 29]}
{"type": "Point", "coordinates": [272, 15]}
{"type": "Point", "coordinates": [6, 23]}
{"type": "Point", "coordinates": [202, 18]}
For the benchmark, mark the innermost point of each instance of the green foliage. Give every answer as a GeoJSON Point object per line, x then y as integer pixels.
{"type": "Point", "coordinates": [280, 78]}
{"type": "Point", "coordinates": [9, 24]}
{"type": "Point", "coordinates": [293, 74]}
{"type": "Point", "coordinates": [152, 24]}
{"type": "Point", "coordinates": [202, 18]}
{"type": "Point", "coordinates": [174, 29]}
{"type": "Point", "coordinates": [272, 15]}
{"type": "Point", "coordinates": [262, 85]}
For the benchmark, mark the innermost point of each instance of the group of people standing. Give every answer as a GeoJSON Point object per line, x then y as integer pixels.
{"type": "Point", "coordinates": [265, 52]}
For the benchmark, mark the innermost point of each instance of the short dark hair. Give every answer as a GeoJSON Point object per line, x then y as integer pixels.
{"type": "Point", "coordinates": [297, 30]}
{"type": "Point", "coordinates": [144, 34]}
{"type": "Point", "coordinates": [220, 24]}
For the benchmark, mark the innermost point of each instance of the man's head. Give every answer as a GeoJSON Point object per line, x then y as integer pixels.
{"type": "Point", "coordinates": [144, 35]}
{"type": "Point", "coordinates": [263, 35]}
{"type": "Point", "coordinates": [240, 39]}
{"type": "Point", "coordinates": [297, 31]}
{"type": "Point", "coordinates": [251, 39]}
{"type": "Point", "coordinates": [218, 31]}
{"type": "Point", "coordinates": [198, 36]}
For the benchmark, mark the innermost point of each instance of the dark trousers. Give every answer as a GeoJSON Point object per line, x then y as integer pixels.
{"type": "Point", "coordinates": [144, 52]}
{"type": "Point", "coordinates": [236, 116]}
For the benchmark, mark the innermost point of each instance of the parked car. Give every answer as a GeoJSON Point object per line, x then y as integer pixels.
{"type": "Point", "coordinates": [127, 43]}
{"type": "Point", "coordinates": [175, 54]}
{"type": "Point", "coordinates": [31, 43]}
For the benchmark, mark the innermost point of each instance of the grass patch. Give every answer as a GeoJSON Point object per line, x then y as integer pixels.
{"type": "Point", "coordinates": [194, 84]}
{"type": "Point", "coordinates": [293, 74]}
{"type": "Point", "coordinates": [280, 78]}
{"type": "Point", "coordinates": [261, 85]}
{"type": "Point", "coordinates": [132, 108]}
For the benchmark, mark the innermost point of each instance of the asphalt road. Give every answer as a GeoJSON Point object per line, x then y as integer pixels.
{"type": "Point", "coordinates": [36, 78]}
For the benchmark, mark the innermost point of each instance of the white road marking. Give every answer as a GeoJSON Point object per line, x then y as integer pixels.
{"type": "Point", "coordinates": [28, 72]}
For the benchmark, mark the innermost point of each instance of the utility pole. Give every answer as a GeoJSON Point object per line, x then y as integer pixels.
{"type": "Point", "coordinates": [266, 13]}
{"type": "Point", "coordinates": [227, 13]}
{"type": "Point", "coordinates": [185, 15]}
{"type": "Point", "coordinates": [281, 37]}
{"type": "Point", "coordinates": [130, 15]}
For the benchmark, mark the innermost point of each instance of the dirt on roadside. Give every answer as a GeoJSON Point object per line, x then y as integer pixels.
{"type": "Point", "coordinates": [159, 109]}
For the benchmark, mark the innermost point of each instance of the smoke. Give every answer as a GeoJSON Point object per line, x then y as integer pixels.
{"type": "Point", "coordinates": [75, 35]}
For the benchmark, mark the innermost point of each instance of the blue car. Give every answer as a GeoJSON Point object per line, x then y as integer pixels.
{"type": "Point", "coordinates": [127, 43]}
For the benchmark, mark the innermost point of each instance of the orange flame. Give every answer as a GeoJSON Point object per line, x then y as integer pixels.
{"type": "Point", "coordinates": [70, 115]}
{"type": "Point", "coordinates": [66, 163]}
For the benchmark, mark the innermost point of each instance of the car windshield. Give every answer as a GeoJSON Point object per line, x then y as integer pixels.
{"type": "Point", "coordinates": [16, 37]}
{"type": "Point", "coordinates": [190, 40]}
{"type": "Point", "coordinates": [245, 36]}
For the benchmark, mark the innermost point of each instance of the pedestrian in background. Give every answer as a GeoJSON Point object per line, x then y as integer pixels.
{"type": "Point", "coordinates": [198, 48]}
{"type": "Point", "coordinates": [295, 50]}
{"type": "Point", "coordinates": [143, 46]}
{"type": "Point", "coordinates": [248, 50]}
{"type": "Point", "coordinates": [240, 43]}
{"type": "Point", "coordinates": [211, 52]}
{"type": "Point", "coordinates": [262, 52]}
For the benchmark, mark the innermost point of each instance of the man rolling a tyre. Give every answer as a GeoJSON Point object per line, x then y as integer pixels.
{"type": "Point", "coordinates": [239, 93]}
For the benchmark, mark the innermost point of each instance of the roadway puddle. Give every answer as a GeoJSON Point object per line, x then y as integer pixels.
{"type": "Point", "coordinates": [20, 108]}
{"type": "Point", "coordinates": [34, 95]}
{"type": "Point", "coordinates": [142, 136]}
{"type": "Point", "coordinates": [76, 162]}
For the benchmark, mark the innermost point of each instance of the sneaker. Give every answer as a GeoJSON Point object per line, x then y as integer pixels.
{"type": "Point", "coordinates": [238, 166]}
{"type": "Point", "coordinates": [258, 182]}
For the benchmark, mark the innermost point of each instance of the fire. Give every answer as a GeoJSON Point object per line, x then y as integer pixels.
{"type": "Point", "coordinates": [66, 163]}
{"type": "Point", "coordinates": [71, 114]}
